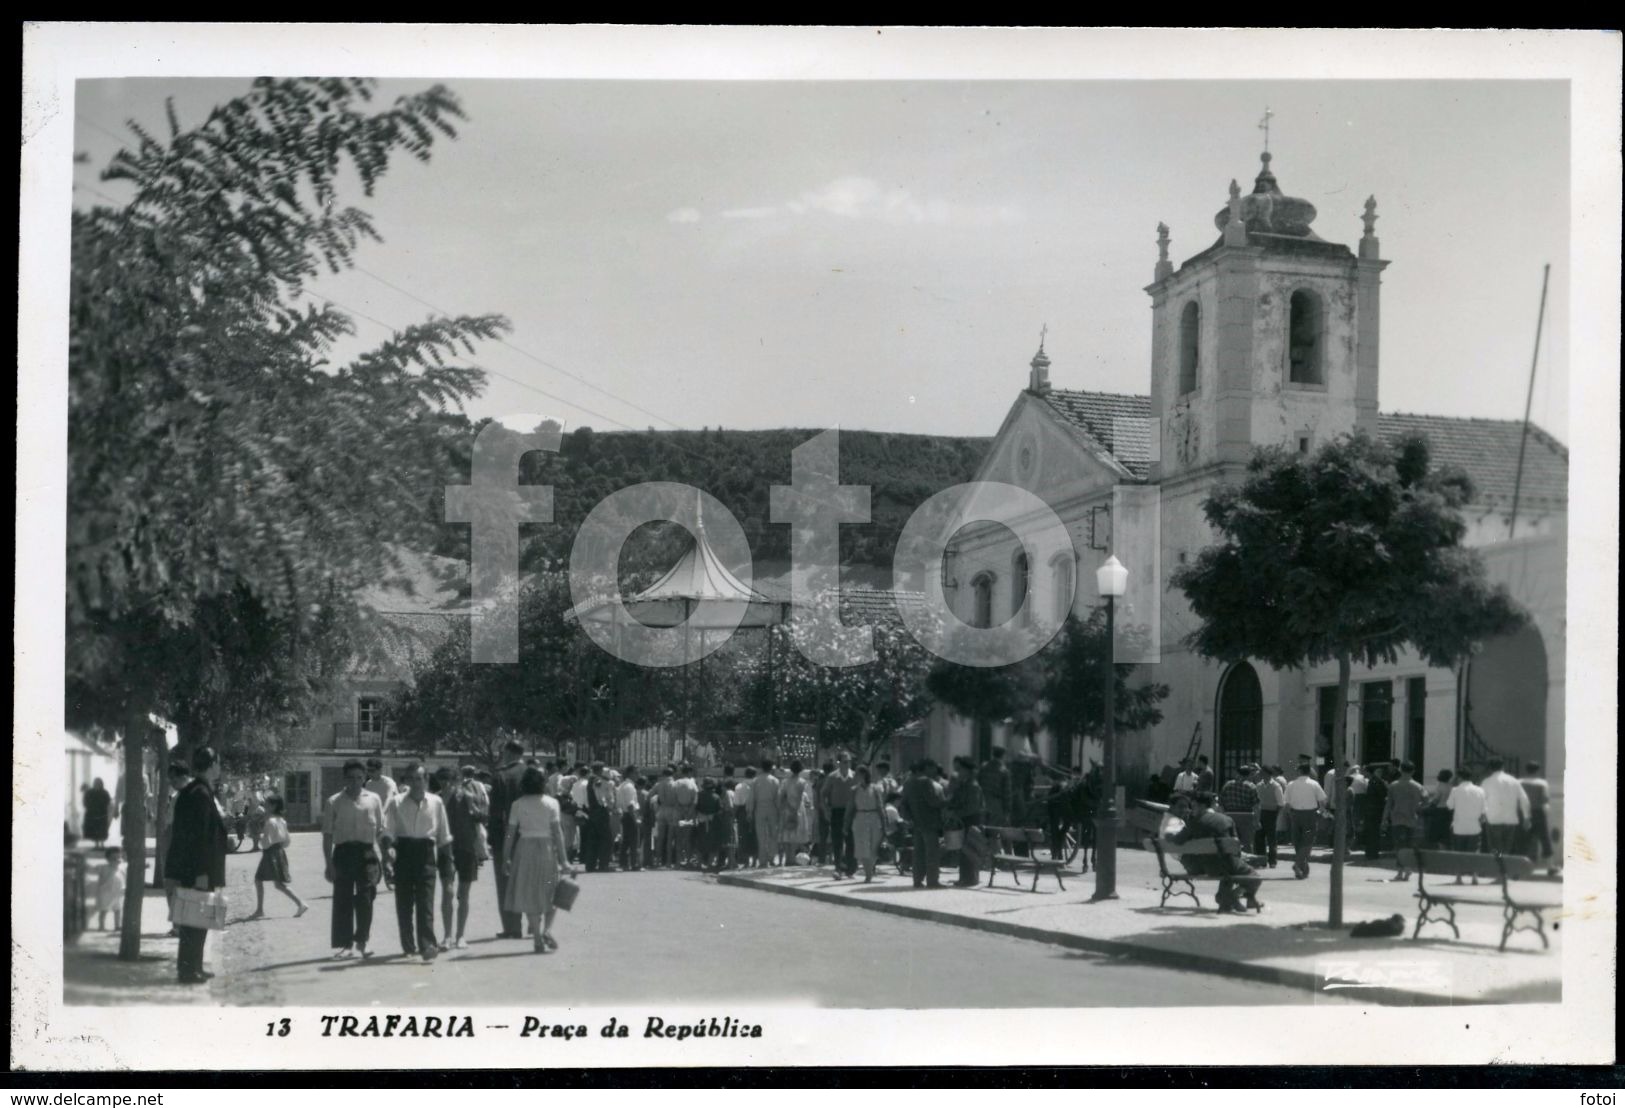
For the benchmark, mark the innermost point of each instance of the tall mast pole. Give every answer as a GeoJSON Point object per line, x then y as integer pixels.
{"type": "Point", "coordinates": [1529, 399]}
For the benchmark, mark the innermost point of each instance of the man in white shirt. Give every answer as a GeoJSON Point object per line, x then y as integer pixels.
{"type": "Point", "coordinates": [1305, 801]}
{"type": "Point", "coordinates": [572, 806]}
{"type": "Point", "coordinates": [415, 828]}
{"type": "Point", "coordinates": [379, 783]}
{"type": "Point", "coordinates": [1187, 780]}
{"type": "Point", "coordinates": [629, 809]}
{"type": "Point", "coordinates": [1269, 797]}
{"type": "Point", "coordinates": [1466, 806]}
{"type": "Point", "coordinates": [1506, 809]}
{"type": "Point", "coordinates": [665, 836]}
{"type": "Point", "coordinates": [686, 792]}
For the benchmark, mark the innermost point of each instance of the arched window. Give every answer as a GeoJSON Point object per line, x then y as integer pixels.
{"type": "Point", "coordinates": [982, 592]}
{"type": "Point", "coordinates": [1304, 326]}
{"type": "Point", "coordinates": [1241, 721]}
{"type": "Point", "coordinates": [1190, 330]}
{"type": "Point", "coordinates": [1060, 575]}
{"type": "Point", "coordinates": [1019, 581]}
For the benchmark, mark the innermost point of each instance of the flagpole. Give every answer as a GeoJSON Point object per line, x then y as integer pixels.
{"type": "Point", "coordinates": [1528, 401]}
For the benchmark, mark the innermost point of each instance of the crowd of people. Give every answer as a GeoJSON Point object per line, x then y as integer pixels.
{"type": "Point", "coordinates": [1388, 808]}
{"type": "Point", "coordinates": [534, 820]}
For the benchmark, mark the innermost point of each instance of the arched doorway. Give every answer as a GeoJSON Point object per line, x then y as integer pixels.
{"type": "Point", "coordinates": [1506, 697]}
{"type": "Point", "coordinates": [1241, 721]}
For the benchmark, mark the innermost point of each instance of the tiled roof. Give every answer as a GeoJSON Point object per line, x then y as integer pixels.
{"type": "Point", "coordinates": [419, 583]}
{"type": "Point", "coordinates": [394, 642]}
{"type": "Point", "coordinates": [1487, 449]}
{"type": "Point", "coordinates": [1121, 424]}
{"type": "Point", "coordinates": [861, 606]}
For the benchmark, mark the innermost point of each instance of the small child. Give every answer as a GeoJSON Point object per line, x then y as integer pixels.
{"type": "Point", "coordinates": [896, 834]}
{"type": "Point", "coordinates": [274, 862]}
{"type": "Point", "coordinates": [110, 890]}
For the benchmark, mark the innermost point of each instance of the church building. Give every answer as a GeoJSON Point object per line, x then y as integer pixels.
{"type": "Point", "coordinates": [1268, 337]}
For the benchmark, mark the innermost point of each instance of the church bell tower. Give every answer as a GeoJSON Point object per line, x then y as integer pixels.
{"type": "Point", "coordinates": [1266, 338]}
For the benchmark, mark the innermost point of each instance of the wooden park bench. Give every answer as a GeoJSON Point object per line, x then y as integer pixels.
{"type": "Point", "coordinates": [1499, 868]}
{"type": "Point", "coordinates": [1004, 841]}
{"type": "Point", "coordinates": [1166, 849]}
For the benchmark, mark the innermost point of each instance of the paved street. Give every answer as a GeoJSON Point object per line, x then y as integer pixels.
{"type": "Point", "coordinates": [676, 936]}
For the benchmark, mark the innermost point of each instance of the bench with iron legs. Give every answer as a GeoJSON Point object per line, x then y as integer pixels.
{"type": "Point", "coordinates": [1499, 868]}
{"type": "Point", "coordinates": [1004, 842]}
{"type": "Point", "coordinates": [1166, 849]}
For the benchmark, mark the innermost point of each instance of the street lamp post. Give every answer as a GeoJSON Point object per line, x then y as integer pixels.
{"type": "Point", "coordinates": [1112, 580]}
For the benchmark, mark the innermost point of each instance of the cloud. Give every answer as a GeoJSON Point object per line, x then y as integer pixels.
{"type": "Point", "coordinates": [751, 213]}
{"type": "Point", "coordinates": [863, 198]}
{"type": "Point", "coordinates": [683, 215]}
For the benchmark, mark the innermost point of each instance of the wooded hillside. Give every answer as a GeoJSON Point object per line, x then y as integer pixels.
{"type": "Point", "coordinates": [739, 468]}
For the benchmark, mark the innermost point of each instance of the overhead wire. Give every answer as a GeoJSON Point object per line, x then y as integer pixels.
{"type": "Point", "coordinates": [87, 121]}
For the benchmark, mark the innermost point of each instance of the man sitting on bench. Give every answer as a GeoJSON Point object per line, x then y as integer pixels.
{"type": "Point", "coordinates": [1206, 823]}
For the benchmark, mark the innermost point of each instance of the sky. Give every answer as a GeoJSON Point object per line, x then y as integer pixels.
{"type": "Point", "coordinates": [881, 255]}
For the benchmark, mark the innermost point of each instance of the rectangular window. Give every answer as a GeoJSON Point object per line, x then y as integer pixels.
{"type": "Point", "coordinates": [1376, 721]}
{"type": "Point", "coordinates": [1416, 718]}
{"type": "Point", "coordinates": [1325, 720]}
{"type": "Point", "coordinates": [369, 715]}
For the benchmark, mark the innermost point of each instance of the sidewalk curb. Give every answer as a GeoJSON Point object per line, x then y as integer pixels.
{"type": "Point", "coordinates": [1173, 959]}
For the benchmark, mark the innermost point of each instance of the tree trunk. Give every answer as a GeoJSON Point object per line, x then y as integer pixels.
{"type": "Point", "coordinates": [134, 815]}
{"type": "Point", "coordinates": [161, 812]}
{"type": "Point", "coordinates": [1341, 797]}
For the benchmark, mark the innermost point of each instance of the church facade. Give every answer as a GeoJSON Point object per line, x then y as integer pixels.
{"type": "Point", "coordinates": [1269, 337]}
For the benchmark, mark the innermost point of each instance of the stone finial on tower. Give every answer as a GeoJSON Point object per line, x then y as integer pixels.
{"type": "Point", "coordinates": [1038, 379]}
{"type": "Point", "coordinates": [1165, 268]}
{"type": "Point", "coordinates": [1235, 231]}
{"type": "Point", "coordinates": [1369, 247]}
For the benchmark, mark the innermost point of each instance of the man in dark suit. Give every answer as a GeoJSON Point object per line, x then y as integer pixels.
{"type": "Point", "coordinates": [965, 814]}
{"type": "Point", "coordinates": [197, 855]}
{"type": "Point", "coordinates": [924, 803]}
{"type": "Point", "coordinates": [504, 791]}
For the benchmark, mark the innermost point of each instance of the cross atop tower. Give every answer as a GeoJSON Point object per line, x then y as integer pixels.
{"type": "Point", "coordinates": [1043, 332]}
{"type": "Point", "coordinates": [1264, 125]}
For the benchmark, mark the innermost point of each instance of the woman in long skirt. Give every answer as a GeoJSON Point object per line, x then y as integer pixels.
{"type": "Point", "coordinates": [534, 857]}
{"type": "Point", "coordinates": [98, 806]}
{"type": "Point", "coordinates": [867, 820]}
{"type": "Point", "coordinates": [792, 793]}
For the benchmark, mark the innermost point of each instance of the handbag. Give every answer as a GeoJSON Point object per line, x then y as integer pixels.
{"type": "Point", "coordinates": [196, 908]}
{"type": "Point", "coordinates": [564, 894]}
{"type": "Point", "coordinates": [953, 840]}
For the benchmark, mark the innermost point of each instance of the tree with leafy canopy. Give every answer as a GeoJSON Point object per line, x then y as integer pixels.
{"type": "Point", "coordinates": [1057, 688]}
{"type": "Point", "coordinates": [1350, 554]}
{"type": "Point", "coordinates": [858, 707]}
{"type": "Point", "coordinates": [563, 687]}
{"type": "Point", "coordinates": [216, 456]}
